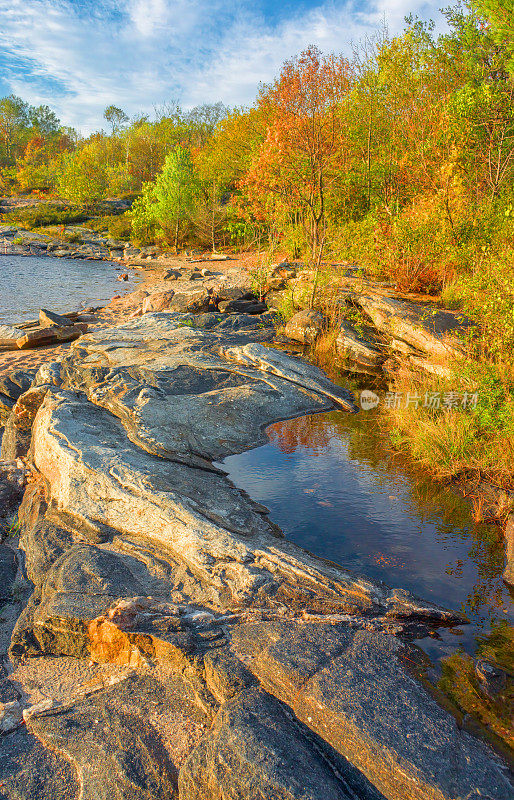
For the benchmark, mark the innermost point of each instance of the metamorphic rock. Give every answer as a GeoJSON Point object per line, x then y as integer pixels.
{"type": "Point", "coordinates": [235, 665]}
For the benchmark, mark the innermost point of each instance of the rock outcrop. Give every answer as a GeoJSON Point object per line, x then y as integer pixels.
{"type": "Point", "coordinates": [290, 673]}
{"type": "Point", "coordinates": [305, 326]}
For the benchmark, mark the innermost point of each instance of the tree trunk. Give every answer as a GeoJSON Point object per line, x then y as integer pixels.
{"type": "Point", "coordinates": [318, 266]}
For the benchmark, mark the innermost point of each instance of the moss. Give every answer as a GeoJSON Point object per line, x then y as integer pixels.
{"type": "Point", "coordinates": [460, 683]}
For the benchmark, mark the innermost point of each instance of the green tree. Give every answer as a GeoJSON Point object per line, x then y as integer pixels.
{"type": "Point", "coordinates": [500, 14]}
{"type": "Point", "coordinates": [116, 117]}
{"type": "Point", "coordinates": [167, 204]}
{"type": "Point", "coordinates": [83, 175]}
{"type": "Point", "coordinates": [14, 121]}
{"type": "Point", "coordinates": [44, 121]}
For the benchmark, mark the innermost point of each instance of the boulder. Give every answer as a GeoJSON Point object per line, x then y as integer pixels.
{"type": "Point", "coordinates": [171, 275]}
{"type": "Point", "coordinates": [305, 326]}
{"type": "Point", "coordinates": [228, 292]}
{"type": "Point", "coordinates": [159, 301]}
{"type": "Point", "coordinates": [8, 231]}
{"type": "Point", "coordinates": [47, 318]}
{"type": "Point", "coordinates": [359, 353]}
{"type": "Point", "coordinates": [11, 387]}
{"type": "Point", "coordinates": [431, 330]}
{"type": "Point", "coordinates": [242, 307]}
{"type": "Point", "coordinates": [194, 301]}
{"type": "Point", "coordinates": [9, 336]}
{"type": "Point", "coordinates": [280, 275]}
{"type": "Point", "coordinates": [130, 301]}
{"type": "Point", "coordinates": [18, 428]}
{"type": "Point", "coordinates": [54, 335]}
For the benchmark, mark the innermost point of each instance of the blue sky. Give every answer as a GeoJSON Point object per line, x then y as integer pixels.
{"type": "Point", "coordinates": [78, 56]}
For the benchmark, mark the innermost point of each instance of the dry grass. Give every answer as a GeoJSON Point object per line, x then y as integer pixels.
{"type": "Point", "coordinates": [462, 441]}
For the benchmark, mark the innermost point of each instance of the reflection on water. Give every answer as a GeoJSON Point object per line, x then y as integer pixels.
{"type": "Point", "coordinates": [61, 284]}
{"type": "Point", "coordinates": [334, 488]}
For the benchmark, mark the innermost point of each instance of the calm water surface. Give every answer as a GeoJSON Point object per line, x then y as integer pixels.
{"type": "Point", "coordinates": [28, 283]}
{"type": "Point", "coordinates": [334, 489]}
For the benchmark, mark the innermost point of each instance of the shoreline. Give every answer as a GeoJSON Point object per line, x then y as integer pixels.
{"type": "Point", "coordinates": [213, 604]}
{"type": "Point", "coordinates": [188, 581]}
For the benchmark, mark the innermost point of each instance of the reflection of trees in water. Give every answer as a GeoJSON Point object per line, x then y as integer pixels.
{"type": "Point", "coordinates": [305, 433]}
{"type": "Point", "coordinates": [365, 442]}
{"type": "Point", "coordinates": [489, 593]}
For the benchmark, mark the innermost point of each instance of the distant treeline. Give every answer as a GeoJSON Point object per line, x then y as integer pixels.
{"type": "Point", "coordinates": [402, 154]}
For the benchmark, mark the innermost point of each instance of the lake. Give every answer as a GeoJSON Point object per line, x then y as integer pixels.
{"type": "Point", "coordinates": [335, 488]}
{"type": "Point", "coordinates": [28, 283]}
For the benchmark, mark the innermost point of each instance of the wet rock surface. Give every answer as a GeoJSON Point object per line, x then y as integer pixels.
{"type": "Point", "coordinates": [255, 669]}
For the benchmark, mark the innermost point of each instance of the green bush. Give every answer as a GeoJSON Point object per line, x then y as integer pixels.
{"type": "Point", "coordinates": [44, 214]}
{"type": "Point", "coordinates": [120, 226]}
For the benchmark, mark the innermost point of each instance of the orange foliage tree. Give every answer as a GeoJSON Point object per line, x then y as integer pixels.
{"type": "Point", "coordinates": [303, 151]}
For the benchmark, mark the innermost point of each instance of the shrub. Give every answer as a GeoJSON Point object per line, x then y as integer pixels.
{"type": "Point", "coordinates": [44, 214]}
{"type": "Point", "coordinates": [461, 440]}
{"type": "Point", "coordinates": [120, 226]}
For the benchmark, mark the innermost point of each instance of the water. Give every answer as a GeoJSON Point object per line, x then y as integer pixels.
{"type": "Point", "coordinates": [335, 489]}
{"type": "Point", "coordinates": [28, 283]}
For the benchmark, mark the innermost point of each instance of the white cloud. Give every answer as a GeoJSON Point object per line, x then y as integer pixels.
{"type": "Point", "coordinates": [141, 53]}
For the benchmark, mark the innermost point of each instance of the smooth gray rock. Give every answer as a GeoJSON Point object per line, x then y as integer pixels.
{"type": "Point", "coordinates": [434, 331]}
{"type": "Point", "coordinates": [359, 353]}
{"type": "Point", "coordinates": [173, 525]}
{"type": "Point", "coordinates": [117, 753]}
{"type": "Point", "coordinates": [352, 688]}
{"type": "Point", "coordinates": [255, 751]}
{"type": "Point", "coordinates": [180, 391]}
{"type": "Point", "coordinates": [105, 483]}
